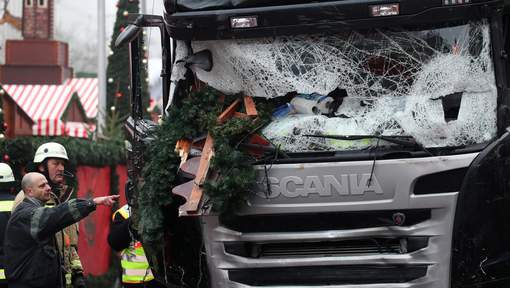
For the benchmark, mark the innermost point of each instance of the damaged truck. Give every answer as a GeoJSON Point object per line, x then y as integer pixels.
{"type": "Point", "coordinates": [385, 159]}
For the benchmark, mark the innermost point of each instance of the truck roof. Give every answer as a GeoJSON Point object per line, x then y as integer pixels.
{"type": "Point", "coordinates": [213, 19]}
{"type": "Point", "coordinates": [204, 5]}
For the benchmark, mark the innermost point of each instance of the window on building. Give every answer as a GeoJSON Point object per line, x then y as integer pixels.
{"type": "Point", "coordinates": [28, 3]}
{"type": "Point", "coordinates": [42, 3]}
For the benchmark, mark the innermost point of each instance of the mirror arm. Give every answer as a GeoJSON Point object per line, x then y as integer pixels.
{"type": "Point", "coordinates": [136, 85]}
{"type": "Point", "coordinates": [131, 35]}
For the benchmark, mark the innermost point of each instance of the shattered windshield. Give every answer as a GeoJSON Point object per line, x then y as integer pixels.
{"type": "Point", "coordinates": [435, 85]}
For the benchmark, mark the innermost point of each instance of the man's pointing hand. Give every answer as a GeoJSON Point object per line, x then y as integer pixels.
{"type": "Point", "coordinates": [106, 200]}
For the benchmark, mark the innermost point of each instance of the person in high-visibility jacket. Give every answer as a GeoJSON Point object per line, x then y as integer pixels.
{"type": "Point", "coordinates": [136, 271]}
{"type": "Point", "coordinates": [51, 159]}
{"type": "Point", "coordinates": [7, 188]}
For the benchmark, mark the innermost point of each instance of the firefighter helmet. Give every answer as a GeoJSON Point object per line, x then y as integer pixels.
{"type": "Point", "coordinates": [50, 150]}
{"type": "Point", "coordinates": [6, 174]}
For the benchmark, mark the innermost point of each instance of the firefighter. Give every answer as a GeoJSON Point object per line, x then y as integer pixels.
{"type": "Point", "coordinates": [31, 252]}
{"type": "Point", "coordinates": [135, 267]}
{"type": "Point", "coordinates": [7, 184]}
{"type": "Point", "coordinates": [51, 159]}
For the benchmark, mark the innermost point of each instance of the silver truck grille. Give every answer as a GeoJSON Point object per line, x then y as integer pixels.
{"type": "Point", "coordinates": [322, 221]}
{"type": "Point", "coordinates": [327, 275]}
{"type": "Point", "coordinates": [350, 242]}
{"type": "Point", "coordinates": [327, 248]}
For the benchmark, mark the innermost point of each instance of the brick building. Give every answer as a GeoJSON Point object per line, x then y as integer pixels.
{"type": "Point", "coordinates": [38, 19]}
{"type": "Point", "coordinates": [37, 59]}
{"type": "Point", "coordinates": [40, 95]}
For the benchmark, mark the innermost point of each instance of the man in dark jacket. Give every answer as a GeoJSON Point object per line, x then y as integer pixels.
{"type": "Point", "coordinates": [7, 184]}
{"type": "Point", "coordinates": [51, 160]}
{"type": "Point", "coordinates": [31, 254]}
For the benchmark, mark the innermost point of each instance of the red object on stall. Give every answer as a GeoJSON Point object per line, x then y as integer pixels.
{"type": "Point", "coordinates": [93, 247]}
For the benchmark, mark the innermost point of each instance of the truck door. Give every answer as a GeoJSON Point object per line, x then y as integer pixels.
{"type": "Point", "coordinates": [481, 232]}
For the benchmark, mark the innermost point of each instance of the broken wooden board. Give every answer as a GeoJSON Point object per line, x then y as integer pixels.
{"type": "Point", "coordinates": [229, 112]}
{"type": "Point", "coordinates": [191, 206]}
{"type": "Point", "coordinates": [194, 199]}
{"type": "Point", "coordinates": [241, 115]}
{"type": "Point", "coordinates": [250, 107]}
{"type": "Point", "coordinates": [257, 145]}
{"type": "Point", "coordinates": [189, 168]}
{"type": "Point", "coordinates": [184, 190]}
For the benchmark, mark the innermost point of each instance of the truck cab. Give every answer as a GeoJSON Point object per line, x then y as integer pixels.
{"type": "Point", "coordinates": [403, 182]}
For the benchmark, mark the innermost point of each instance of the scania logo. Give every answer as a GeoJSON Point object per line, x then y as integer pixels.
{"type": "Point", "coordinates": [324, 185]}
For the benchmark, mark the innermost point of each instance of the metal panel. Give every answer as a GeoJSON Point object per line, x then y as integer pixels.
{"type": "Point", "coordinates": [396, 179]}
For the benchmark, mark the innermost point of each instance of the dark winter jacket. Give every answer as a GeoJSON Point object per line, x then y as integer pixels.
{"type": "Point", "coordinates": [6, 201]}
{"type": "Point", "coordinates": [31, 253]}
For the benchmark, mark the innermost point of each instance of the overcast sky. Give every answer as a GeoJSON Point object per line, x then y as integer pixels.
{"type": "Point", "coordinates": [83, 14]}
{"type": "Point", "coordinates": [76, 23]}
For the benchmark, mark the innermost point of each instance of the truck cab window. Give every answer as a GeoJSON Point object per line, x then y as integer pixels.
{"type": "Point", "coordinates": [396, 81]}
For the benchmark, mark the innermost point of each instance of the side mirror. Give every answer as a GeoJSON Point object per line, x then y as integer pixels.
{"type": "Point", "coordinates": [128, 35]}
{"type": "Point", "coordinates": [200, 60]}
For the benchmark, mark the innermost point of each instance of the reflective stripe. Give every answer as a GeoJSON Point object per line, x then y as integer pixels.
{"type": "Point", "coordinates": [140, 273]}
{"type": "Point", "coordinates": [2, 274]}
{"type": "Point", "coordinates": [123, 211]}
{"type": "Point", "coordinates": [76, 264]}
{"type": "Point", "coordinates": [136, 279]}
{"type": "Point", "coordinates": [69, 279]}
{"type": "Point", "coordinates": [136, 275]}
{"type": "Point", "coordinates": [52, 201]}
{"type": "Point", "coordinates": [134, 255]}
{"type": "Point", "coordinates": [137, 272]}
{"type": "Point", "coordinates": [6, 206]}
{"type": "Point", "coordinates": [134, 265]}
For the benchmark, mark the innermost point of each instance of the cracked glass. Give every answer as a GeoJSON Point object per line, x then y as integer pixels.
{"type": "Point", "coordinates": [436, 85]}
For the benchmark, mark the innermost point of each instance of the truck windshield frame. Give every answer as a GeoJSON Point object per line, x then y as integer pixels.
{"type": "Point", "coordinates": [434, 84]}
{"type": "Point", "coordinates": [200, 26]}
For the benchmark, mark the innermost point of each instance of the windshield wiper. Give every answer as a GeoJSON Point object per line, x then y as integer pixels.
{"type": "Point", "coordinates": [405, 141]}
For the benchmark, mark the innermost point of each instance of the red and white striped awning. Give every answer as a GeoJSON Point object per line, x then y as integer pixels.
{"type": "Point", "coordinates": [88, 92]}
{"type": "Point", "coordinates": [45, 105]}
{"type": "Point", "coordinates": [79, 129]}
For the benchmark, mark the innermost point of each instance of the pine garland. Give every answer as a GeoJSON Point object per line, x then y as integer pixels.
{"type": "Point", "coordinates": [21, 150]}
{"type": "Point", "coordinates": [235, 175]}
{"type": "Point", "coordinates": [234, 171]}
{"type": "Point", "coordinates": [187, 121]}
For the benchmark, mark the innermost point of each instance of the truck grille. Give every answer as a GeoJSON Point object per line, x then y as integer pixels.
{"type": "Point", "coordinates": [328, 275]}
{"type": "Point", "coordinates": [327, 248]}
{"type": "Point", "coordinates": [401, 241]}
{"type": "Point", "coordinates": [322, 221]}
